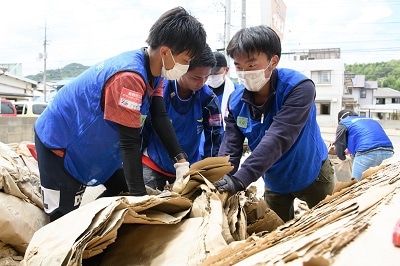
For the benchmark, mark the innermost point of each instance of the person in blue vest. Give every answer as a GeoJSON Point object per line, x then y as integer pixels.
{"type": "Point", "coordinates": [90, 133]}
{"type": "Point", "coordinates": [222, 86]}
{"type": "Point", "coordinates": [275, 110]}
{"type": "Point", "coordinates": [364, 138]}
{"type": "Point", "coordinates": [193, 109]}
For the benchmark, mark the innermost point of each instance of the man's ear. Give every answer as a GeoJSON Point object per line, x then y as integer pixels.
{"type": "Point", "coordinates": [164, 50]}
{"type": "Point", "coordinates": [275, 61]}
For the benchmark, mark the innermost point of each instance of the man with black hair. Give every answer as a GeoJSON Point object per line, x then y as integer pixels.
{"type": "Point", "coordinates": [364, 138]}
{"type": "Point", "coordinates": [90, 134]}
{"type": "Point", "coordinates": [274, 109]}
{"type": "Point", "coordinates": [194, 110]}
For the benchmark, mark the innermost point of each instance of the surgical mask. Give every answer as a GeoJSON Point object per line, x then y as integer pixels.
{"type": "Point", "coordinates": [254, 80]}
{"type": "Point", "coordinates": [215, 81]}
{"type": "Point", "coordinates": [174, 73]}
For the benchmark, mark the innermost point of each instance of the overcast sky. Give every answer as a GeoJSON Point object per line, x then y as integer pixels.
{"type": "Point", "coordinates": [88, 31]}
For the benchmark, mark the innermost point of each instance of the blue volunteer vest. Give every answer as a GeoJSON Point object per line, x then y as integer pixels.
{"type": "Point", "coordinates": [298, 167]}
{"type": "Point", "coordinates": [75, 121]}
{"type": "Point", "coordinates": [187, 119]}
{"type": "Point", "coordinates": [364, 134]}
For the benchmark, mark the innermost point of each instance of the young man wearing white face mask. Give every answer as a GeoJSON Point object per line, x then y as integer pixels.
{"type": "Point", "coordinates": [222, 86]}
{"type": "Point", "coordinates": [275, 110]}
{"type": "Point", "coordinates": [219, 81]}
{"type": "Point", "coordinates": [91, 133]}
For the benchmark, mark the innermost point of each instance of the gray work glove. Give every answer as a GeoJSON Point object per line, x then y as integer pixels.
{"type": "Point", "coordinates": [230, 184]}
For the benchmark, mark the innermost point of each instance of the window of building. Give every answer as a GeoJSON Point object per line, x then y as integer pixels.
{"type": "Point", "coordinates": [395, 100]}
{"type": "Point", "coordinates": [363, 93]}
{"type": "Point", "coordinates": [380, 100]}
{"type": "Point", "coordinates": [323, 108]}
{"type": "Point", "coordinates": [321, 77]}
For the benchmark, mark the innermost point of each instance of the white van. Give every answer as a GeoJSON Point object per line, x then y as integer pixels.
{"type": "Point", "coordinates": [30, 108]}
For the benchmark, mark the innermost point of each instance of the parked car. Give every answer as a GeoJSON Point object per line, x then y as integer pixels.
{"type": "Point", "coordinates": [30, 108]}
{"type": "Point", "coordinates": [7, 108]}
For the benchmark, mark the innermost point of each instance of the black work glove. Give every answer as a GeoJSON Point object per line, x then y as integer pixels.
{"type": "Point", "coordinates": [230, 184]}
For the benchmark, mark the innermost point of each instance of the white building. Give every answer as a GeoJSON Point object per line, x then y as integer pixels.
{"type": "Point", "coordinates": [384, 104]}
{"type": "Point", "coordinates": [15, 87]}
{"type": "Point", "coordinates": [326, 69]}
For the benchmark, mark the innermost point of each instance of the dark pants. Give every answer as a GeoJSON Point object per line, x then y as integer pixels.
{"type": "Point", "coordinates": [61, 192]}
{"type": "Point", "coordinates": [154, 179]}
{"type": "Point", "coordinates": [282, 204]}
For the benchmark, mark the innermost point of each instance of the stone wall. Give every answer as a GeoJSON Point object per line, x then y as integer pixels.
{"type": "Point", "coordinates": [16, 129]}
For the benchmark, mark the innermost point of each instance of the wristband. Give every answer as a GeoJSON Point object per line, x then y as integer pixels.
{"type": "Point", "coordinates": [180, 156]}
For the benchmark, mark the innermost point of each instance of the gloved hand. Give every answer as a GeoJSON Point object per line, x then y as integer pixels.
{"type": "Point", "coordinates": [230, 184]}
{"type": "Point", "coordinates": [181, 170]}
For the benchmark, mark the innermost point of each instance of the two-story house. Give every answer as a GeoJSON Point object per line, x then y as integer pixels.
{"type": "Point", "coordinates": [326, 69]}
{"type": "Point", "coordinates": [384, 105]}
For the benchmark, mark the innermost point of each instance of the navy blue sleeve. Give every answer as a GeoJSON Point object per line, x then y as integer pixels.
{"type": "Point", "coordinates": [282, 134]}
{"type": "Point", "coordinates": [212, 125]}
{"type": "Point", "coordinates": [232, 142]}
{"type": "Point", "coordinates": [340, 143]}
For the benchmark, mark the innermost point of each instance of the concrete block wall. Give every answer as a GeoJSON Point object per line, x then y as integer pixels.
{"type": "Point", "coordinates": [16, 129]}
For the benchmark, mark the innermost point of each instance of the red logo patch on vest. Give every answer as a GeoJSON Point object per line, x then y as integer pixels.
{"type": "Point", "coordinates": [130, 99]}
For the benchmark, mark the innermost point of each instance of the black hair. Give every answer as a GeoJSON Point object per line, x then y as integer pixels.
{"type": "Point", "coordinates": [178, 30]}
{"type": "Point", "coordinates": [345, 113]}
{"type": "Point", "coordinates": [206, 59]}
{"type": "Point", "coordinates": [257, 39]}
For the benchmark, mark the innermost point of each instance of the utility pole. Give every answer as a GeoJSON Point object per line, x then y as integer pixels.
{"type": "Point", "coordinates": [243, 14]}
{"type": "Point", "coordinates": [227, 30]}
{"type": "Point", "coordinates": [44, 62]}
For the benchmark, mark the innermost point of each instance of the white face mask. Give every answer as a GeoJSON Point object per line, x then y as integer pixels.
{"type": "Point", "coordinates": [174, 73]}
{"type": "Point", "coordinates": [215, 81]}
{"type": "Point", "coordinates": [254, 80]}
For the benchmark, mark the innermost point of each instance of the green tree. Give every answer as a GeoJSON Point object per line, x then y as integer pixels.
{"type": "Point", "coordinates": [69, 71]}
{"type": "Point", "coordinates": [386, 73]}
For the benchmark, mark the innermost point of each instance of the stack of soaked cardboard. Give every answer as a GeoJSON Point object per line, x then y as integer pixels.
{"type": "Point", "coordinates": [199, 226]}
{"type": "Point", "coordinates": [164, 228]}
{"type": "Point", "coordinates": [21, 212]}
{"type": "Point", "coordinates": [316, 237]}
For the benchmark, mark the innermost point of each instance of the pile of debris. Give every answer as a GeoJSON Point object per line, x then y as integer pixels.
{"type": "Point", "coordinates": [21, 212]}
{"type": "Point", "coordinates": [199, 226]}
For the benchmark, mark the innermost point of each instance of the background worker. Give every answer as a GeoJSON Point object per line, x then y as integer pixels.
{"type": "Point", "coordinates": [276, 112]}
{"type": "Point", "coordinates": [220, 82]}
{"type": "Point", "coordinates": [193, 109]}
{"type": "Point", "coordinates": [364, 138]}
{"type": "Point", "coordinates": [222, 86]}
{"type": "Point", "coordinates": [90, 134]}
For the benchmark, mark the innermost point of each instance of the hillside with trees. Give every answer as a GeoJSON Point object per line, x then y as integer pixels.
{"type": "Point", "coordinates": [386, 73]}
{"type": "Point", "coordinates": [69, 71]}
